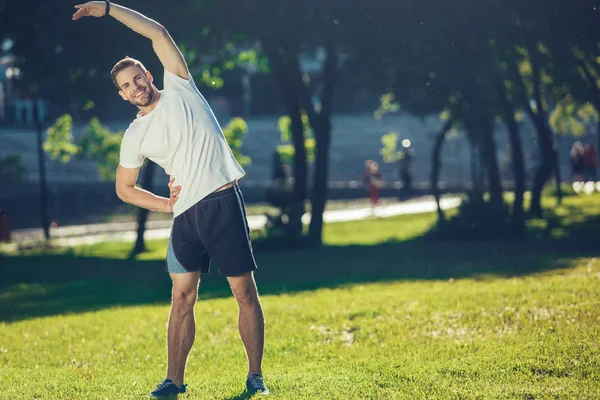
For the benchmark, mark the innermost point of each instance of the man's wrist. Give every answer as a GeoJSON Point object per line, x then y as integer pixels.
{"type": "Point", "coordinates": [166, 206]}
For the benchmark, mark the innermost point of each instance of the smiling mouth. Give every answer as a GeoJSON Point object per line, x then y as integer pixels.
{"type": "Point", "coordinates": [140, 93]}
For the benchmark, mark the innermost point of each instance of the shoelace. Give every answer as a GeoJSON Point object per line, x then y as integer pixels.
{"type": "Point", "coordinates": [164, 384]}
{"type": "Point", "coordinates": [256, 381]}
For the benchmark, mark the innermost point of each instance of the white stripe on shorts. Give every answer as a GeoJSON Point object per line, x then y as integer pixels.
{"type": "Point", "coordinates": [243, 214]}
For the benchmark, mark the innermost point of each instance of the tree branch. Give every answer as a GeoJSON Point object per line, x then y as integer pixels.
{"type": "Point", "coordinates": [303, 93]}
{"type": "Point", "coordinates": [522, 90]}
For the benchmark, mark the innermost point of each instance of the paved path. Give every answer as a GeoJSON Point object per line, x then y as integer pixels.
{"type": "Point", "coordinates": [126, 231]}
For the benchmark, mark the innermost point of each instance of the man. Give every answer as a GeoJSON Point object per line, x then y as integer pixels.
{"type": "Point", "coordinates": [176, 129]}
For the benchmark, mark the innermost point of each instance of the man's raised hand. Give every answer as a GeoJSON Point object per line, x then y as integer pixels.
{"type": "Point", "coordinates": [90, 9]}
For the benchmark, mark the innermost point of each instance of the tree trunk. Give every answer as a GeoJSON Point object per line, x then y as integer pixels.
{"type": "Point", "coordinates": [558, 177]}
{"type": "Point", "coordinates": [300, 173]}
{"type": "Point", "coordinates": [547, 166]}
{"type": "Point", "coordinates": [299, 163]}
{"type": "Point", "coordinates": [320, 179]}
{"type": "Point", "coordinates": [476, 178]}
{"type": "Point", "coordinates": [490, 159]}
{"type": "Point", "coordinates": [543, 132]}
{"type": "Point", "coordinates": [44, 211]}
{"type": "Point", "coordinates": [436, 164]}
{"type": "Point", "coordinates": [142, 217]}
{"type": "Point", "coordinates": [517, 219]}
{"type": "Point", "coordinates": [542, 174]}
{"type": "Point", "coordinates": [322, 141]}
{"type": "Point", "coordinates": [283, 68]}
{"type": "Point", "coordinates": [473, 164]}
{"type": "Point", "coordinates": [321, 125]}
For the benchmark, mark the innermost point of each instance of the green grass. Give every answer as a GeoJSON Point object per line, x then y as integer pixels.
{"type": "Point", "coordinates": [378, 313]}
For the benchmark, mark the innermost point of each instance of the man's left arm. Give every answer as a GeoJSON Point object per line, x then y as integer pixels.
{"type": "Point", "coordinates": [162, 43]}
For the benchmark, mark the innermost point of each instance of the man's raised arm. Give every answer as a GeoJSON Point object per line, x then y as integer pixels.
{"type": "Point", "coordinates": [164, 46]}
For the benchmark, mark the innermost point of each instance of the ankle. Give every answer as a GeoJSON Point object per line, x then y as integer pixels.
{"type": "Point", "coordinates": [176, 381]}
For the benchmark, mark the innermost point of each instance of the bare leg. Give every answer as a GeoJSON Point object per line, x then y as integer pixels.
{"type": "Point", "coordinates": [251, 319]}
{"type": "Point", "coordinates": [182, 326]}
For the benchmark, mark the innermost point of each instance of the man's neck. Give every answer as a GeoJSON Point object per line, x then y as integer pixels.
{"type": "Point", "coordinates": [146, 110]}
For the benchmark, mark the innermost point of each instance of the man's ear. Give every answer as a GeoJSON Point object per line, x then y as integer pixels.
{"type": "Point", "coordinates": [150, 77]}
{"type": "Point", "coordinates": [122, 95]}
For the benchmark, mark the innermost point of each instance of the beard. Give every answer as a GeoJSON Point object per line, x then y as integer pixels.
{"type": "Point", "coordinates": [143, 100]}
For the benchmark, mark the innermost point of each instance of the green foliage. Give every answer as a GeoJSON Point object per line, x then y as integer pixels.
{"type": "Point", "coordinates": [11, 169]}
{"type": "Point", "coordinates": [211, 73]}
{"type": "Point", "coordinates": [389, 151]}
{"type": "Point", "coordinates": [453, 132]}
{"type": "Point", "coordinates": [571, 119]}
{"type": "Point", "coordinates": [253, 59]}
{"type": "Point", "coordinates": [388, 105]}
{"type": "Point", "coordinates": [88, 105]}
{"type": "Point", "coordinates": [519, 116]}
{"type": "Point", "coordinates": [286, 149]}
{"type": "Point", "coordinates": [445, 115]}
{"type": "Point", "coordinates": [210, 78]}
{"type": "Point", "coordinates": [101, 145]}
{"type": "Point", "coordinates": [98, 143]}
{"type": "Point", "coordinates": [588, 114]}
{"type": "Point", "coordinates": [59, 141]}
{"type": "Point", "coordinates": [235, 131]}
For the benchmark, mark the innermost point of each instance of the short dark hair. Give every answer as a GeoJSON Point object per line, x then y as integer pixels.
{"type": "Point", "coordinates": [123, 64]}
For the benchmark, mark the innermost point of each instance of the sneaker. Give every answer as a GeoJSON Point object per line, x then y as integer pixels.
{"type": "Point", "coordinates": [256, 384]}
{"type": "Point", "coordinates": [167, 388]}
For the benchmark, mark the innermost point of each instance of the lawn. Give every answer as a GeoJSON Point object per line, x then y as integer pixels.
{"type": "Point", "coordinates": [377, 313]}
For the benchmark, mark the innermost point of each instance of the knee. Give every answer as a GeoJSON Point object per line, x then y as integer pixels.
{"type": "Point", "coordinates": [246, 297]}
{"type": "Point", "coordinates": [183, 301]}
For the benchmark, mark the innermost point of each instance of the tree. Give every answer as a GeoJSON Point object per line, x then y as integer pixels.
{"type": "Point", "coordinates": [283, 32]}
{"type": "Point", "coordinates": [455, 63]}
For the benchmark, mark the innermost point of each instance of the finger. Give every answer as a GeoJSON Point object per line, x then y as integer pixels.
{"type": "Point", "coordinates": [78, 14]}
{"type": "Point", "coordinates": [79, 5]}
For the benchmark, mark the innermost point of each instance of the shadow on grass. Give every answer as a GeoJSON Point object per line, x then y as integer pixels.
{"type": "Point", "coordinates": [245, 395]}
{"type": "Point", "coordinates": [35, 286]}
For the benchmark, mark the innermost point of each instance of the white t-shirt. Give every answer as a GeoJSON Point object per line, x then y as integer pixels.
{"type": "Point", "coordinates": [182, 135]}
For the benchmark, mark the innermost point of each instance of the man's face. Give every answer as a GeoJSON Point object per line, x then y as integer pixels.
{"type": "Point", "coordinates": [136, 86]}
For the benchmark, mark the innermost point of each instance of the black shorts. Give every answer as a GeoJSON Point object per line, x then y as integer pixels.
{"type": "Point", "coordinates": [214, 229]}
